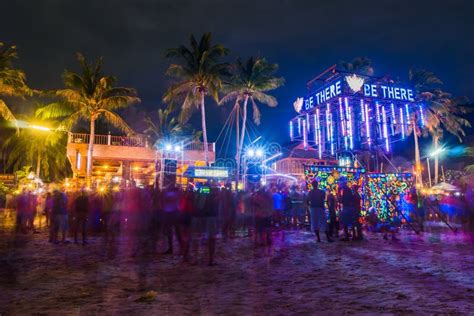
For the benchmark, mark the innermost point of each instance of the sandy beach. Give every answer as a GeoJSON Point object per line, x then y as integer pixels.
{"type": "Point", "coordinates": [428, 274]}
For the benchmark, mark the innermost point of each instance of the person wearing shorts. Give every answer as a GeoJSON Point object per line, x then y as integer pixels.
{"type": "Point", "coordinates": [318, 218]}
{"type": "Point", "coordinates": [348, 212]}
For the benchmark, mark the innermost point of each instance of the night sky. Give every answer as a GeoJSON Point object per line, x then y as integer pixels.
{"type": "Point", "coordinates": [303, 37]}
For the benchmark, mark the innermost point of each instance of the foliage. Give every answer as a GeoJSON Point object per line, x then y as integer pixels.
{"type": "Point", "coordinates": [30, 147]}
{"type": "Point", "coordinates": [168, 126]}
{"type": "Point", "coordinates": [359, 65]}
{"type": "Point", "coordinates": [251, 80]}
{"type": "Point", "coordinates": [442, 112]}
{"type": "Point", "coordinates": [3, 189]}
{"type": "Point", "coordinates": [12, 80]}
{"type": "Point", "coordinates": [22, 173]}
{"type": "Point", "coordinates": [89, 95]}
{"type": "Point", "coordinates": [198, 72]}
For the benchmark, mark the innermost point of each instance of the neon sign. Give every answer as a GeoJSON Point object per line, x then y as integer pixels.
{"type": "Point", "coordinates": [388, 92]}
{"type": "Point", "coordinates": [354, 85]}
{"type": "Point", "coordinates": [323, 95]}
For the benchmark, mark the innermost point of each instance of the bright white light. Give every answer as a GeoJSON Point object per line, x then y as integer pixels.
{"type": "Point", "coordinates": [177, 148]}
{"type": "Point", "coordinates": [259, 153]}
{"type": "Point", "coordinates": [437, 152]}
{"type": "Point", "coordinates": [250, 152]}
{"type": "Point", "coordinates": [168, 147]}
{"type": "Point", "coordinates": [40, 128]}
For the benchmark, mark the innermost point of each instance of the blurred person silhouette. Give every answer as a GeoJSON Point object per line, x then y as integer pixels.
{"type": "Point", "coordinates": [81, 212]}
{"type": "Point", "coordinates": [318, 218]}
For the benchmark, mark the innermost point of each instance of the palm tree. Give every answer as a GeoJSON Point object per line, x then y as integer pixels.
{"type": "Point", "coordinates": [44, 149]}
{"type": "Point", "coordinates": [441, 112]}
{"type": "Point", "coordinates": [88, 96]}
{"type": "Point", "coordinates": [12, 81]}
{"type": "Point", "coordinates": [168, 126]}
{"type": "Point", "coordinates": [250, 81]}
{"type": "Point", "coordinates": [360, 65]}
{"type": "Point", "coordinates": [199, 73]}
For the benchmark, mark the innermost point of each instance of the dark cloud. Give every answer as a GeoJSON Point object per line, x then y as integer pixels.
{"type": "Point", "coordinates": [304, 37]}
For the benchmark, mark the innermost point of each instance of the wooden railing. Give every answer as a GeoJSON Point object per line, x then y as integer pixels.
{"type": "Point", "coordinates": [130, 141]}
{"type": "Point", "coordinates": [200, 146]}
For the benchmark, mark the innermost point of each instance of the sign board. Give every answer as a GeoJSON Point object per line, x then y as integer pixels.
{"type": "Point", "coordinates": [353, 85]}
{"type": "Point", "coordinates": [212, 173]}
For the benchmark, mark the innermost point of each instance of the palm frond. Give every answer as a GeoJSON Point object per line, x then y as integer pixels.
{"type": "Point", "coordinates": [54, 110]}
{"type": "Point", "coordinates": [116, 121]}
{"type": "Point", "coordinates": [5, 112]}
{"type": "Point", "coordinates": [256, 112]}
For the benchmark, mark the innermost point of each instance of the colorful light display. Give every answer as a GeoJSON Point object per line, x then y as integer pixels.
{"type": "Point", "coordinates": [385, 129]}
{"type": "Point", "coordinates": [402, 123]}
{"type": "Point", "coordinates": [328, 177]}
{"type": "Point", "coordinates": [386, 195]}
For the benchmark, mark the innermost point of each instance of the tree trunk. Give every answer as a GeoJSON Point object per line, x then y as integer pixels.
{"type": "Point", "coordinates": [244, 123]}
{"type": "Point", "coordinates": [436, 159]}
{"type": "Point", "coordinates": [38, 164]}
{"type": "Point", "coordinates": [204, 129]}
{"type": "Point", "coordinates": [90, 150]}
{"type": "Point", "coordinates": [237, 143]}
{"type": "Point", "coordinates": [419, 179]}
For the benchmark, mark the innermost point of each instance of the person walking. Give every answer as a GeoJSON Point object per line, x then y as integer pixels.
{"type": "Point", "coordinates": [316, 199]}
{"type": "Point", "coordinates": [81, 211]}
{"type": "Point", "coordinates": [21, 205]}
{"type": "Point", "coordinates": [262, 207]}
{"type": "Point", "coordinates": [60, 216]}
{"type": "Point", "coordinates": [170, 204]}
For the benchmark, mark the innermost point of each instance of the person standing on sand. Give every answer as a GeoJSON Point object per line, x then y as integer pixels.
{"type": "Point", "coordinates": [357, 225]}
{"type": "Point", "coordinates": [348, 201]}
{"type": "Point", "coordinates": [60, 216]}
{"type": "Point", "coordinates": [21, 205]}
{"type": "Point", "coordinates": [262, 206]}
{"type": "Point", "coordinates": [316, 199]}
{"type": "Point", "coordinates": [81, 211]}
{"type": "Point", "coordinates": [333, 223]}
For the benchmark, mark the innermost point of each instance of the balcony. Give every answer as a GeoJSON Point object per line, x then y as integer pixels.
{"type": "Point", "coordinates": [135, 151]}
{"type": "Point", "coordinates": [130, 141]}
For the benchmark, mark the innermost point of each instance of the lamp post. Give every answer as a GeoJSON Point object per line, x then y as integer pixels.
{"type": "Point", "coordinates": [252, 154]}
{"type": "Point", "coordinates": [172, 151]}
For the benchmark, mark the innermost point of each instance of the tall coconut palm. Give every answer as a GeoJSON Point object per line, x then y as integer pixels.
{"type": "Point", "coordinates": [422, 81]}
{"type": "Point", "coordinates": [442, 112]}
{"type": "Point", "coordinates": [45, 150]}
{"type": "Point", "coordinates": [12, 81]}
{"type": "Point", "coordinates": [199, 72]}
{"type": "Point", "coordinates": [89, 95]}
{"type": "Point", "coordinates": [249, 82]}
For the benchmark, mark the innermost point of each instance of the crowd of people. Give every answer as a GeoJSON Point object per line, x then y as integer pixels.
{"type": "Point", "coordinates": [191, 216]}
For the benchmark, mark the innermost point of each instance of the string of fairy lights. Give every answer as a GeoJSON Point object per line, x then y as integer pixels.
{"type": "Point", "coordinates": [348, 128]}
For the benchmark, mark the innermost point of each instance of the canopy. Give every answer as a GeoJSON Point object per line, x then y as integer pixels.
{"type": "Point", "coordinates": [446, 187]}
